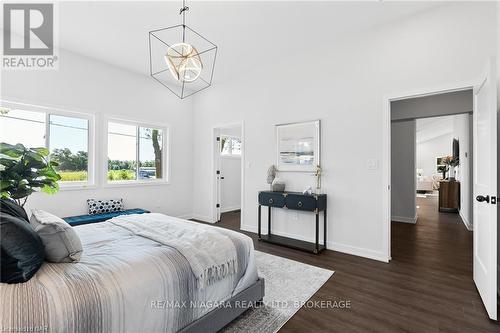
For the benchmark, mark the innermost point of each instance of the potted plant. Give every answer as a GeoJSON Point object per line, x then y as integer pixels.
{"type": "Point", "coordinates": [451, 162]}
{"type": "Point", "coordinates": [24, 171]}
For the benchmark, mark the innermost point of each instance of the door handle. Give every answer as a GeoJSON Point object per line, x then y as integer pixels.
{"type": "Point", "coordinates": [482, 198]}
{"type": "Point", "coordinates": [221, 177]}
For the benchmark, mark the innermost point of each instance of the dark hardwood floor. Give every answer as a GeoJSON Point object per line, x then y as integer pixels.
{"type": "Point", "coordinates": [427, 287]}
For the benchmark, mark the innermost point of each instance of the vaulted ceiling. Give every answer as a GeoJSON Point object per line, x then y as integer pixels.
{"type": "Point", "coordinates": [246, 32]}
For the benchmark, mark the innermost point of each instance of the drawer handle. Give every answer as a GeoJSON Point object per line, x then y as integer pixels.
{"type": "Point", "coordinates": [299, 204]}
{"type": "Point", "coordinates": [271, 201]}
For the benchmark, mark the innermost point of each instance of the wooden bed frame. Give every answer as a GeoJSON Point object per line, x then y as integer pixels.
{"type": "Point", "coordinates": [221, 316]}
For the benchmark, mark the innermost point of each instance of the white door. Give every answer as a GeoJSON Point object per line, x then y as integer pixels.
{"type": "Point", "coordinates": [485, 190]}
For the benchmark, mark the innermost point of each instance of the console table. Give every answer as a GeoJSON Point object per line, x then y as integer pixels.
{"type": "Point", "coordinates": [314, 203]}
{"type": "Point", "coordinates": [449, 196]}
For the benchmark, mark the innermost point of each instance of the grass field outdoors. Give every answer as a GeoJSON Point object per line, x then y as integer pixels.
{"type": "Point", "coordinates": [76, 176]}
{"type": "Point", "coordinates": [73, 176]}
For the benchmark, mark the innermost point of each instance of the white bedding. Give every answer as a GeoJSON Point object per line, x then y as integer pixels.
{"type": "Point", "coordinates": [123, 283]}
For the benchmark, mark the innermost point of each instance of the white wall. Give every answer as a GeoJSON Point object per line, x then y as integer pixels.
{"type": "Point", "coordinates": [427, 151]}
{"type": "Point", "coordinates": [82, 84]}
{"type": "Point", "coordinates": [403, 175]}
{"type": "Point", "coordinates": [462, 132]}
{"type": "Point", "coordinates": [231, 171]}
{"type": "Point", "coordinates": [345, 89]}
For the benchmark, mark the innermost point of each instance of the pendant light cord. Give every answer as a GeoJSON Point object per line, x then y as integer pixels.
{"type": "Point", "coordinates": [183, 11]}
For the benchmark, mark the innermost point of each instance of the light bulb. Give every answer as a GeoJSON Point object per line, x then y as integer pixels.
{"type": "Point", "coordinates": [184, 62]}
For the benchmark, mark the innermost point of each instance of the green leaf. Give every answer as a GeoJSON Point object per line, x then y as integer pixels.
{"type": "Point", "coordinates": [10, 150]}
{"type": "Point", "coordinates": [33, 156]}
{"type": "Point", "coordinates": [21, 193]}
{"type": "Point", "coordinates": [51, 189]}
{"type": "Point", "coordinates": [41, 151]}
{"type": "Point", "coordinates": [25, 170]}
{"type": "Point", "coordinates": [4, 184]}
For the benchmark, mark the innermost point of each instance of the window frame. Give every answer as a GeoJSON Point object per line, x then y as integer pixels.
{"type": "Point", "coordinates": [165, 158]}
{"type": "Point", "coordinates": [90, 183]}
{"type": "Point", "coordinates": [231, 155]}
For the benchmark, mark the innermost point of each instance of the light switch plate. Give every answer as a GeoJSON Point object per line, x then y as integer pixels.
{"type": "Point", "coordinates": [372, 164]}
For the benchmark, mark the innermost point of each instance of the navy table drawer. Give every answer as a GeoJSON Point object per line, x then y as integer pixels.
{"type": "Point", "coordinates": [272, 199]}
{"type": "Point", "coordinates": [313, 203]}
{"type": "Point", "coordinates": [301, 202]}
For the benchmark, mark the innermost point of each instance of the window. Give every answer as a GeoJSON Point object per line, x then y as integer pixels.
{"type": "Point", "coordinates": [69, 147]}
{"type": "Point", "coordinates": [66, 137]}
{"type": "Point", "coordinates": [230, 146]}
{"type": "Point", "coordinates": [135, 153]}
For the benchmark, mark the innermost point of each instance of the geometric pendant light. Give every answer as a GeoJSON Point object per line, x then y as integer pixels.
{"type": "Point", "coordinates": [181, 59]}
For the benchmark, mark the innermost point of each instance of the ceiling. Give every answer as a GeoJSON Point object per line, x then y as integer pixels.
{"type": "Point", "coordinates": [117, 32]}
{"type": "Point", "coordinates": [431, 128]}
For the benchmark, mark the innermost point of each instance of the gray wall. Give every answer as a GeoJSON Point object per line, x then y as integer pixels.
{"type": "Point", "coordinates": [403, 174]}
{"type": "Point", "coordinates": [432, 106]}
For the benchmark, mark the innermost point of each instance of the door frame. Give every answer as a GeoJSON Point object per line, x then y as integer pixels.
{"type": "Point", "coordinates": [386, 148]}
{"type": "Point", "coordinates": [215, 157]}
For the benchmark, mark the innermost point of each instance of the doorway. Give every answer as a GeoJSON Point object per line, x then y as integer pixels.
{"type": "Point", "coordinates": [228, 170]}
{"type": "Point", "coordinates": [484, 182]}
{"type": "Point", "coordinates": [431, 145]}
{"type": "Point", "coordinates": [431, 191]}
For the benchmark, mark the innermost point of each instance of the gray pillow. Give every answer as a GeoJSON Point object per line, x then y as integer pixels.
{"type": "Point", "coordinates": [60, 240]}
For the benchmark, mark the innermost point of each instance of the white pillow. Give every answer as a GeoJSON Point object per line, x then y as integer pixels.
{"type": "Point", "coordinates": [60, 240]}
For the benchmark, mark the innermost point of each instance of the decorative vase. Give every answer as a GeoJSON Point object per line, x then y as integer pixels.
{"type": "Point", "coordinates": [451, 174]}
{"type": "Point", "coordinates": [278, 185]}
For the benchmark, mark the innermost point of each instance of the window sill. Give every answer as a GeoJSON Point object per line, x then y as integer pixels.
{"type": "Point", "coordinates": [76, 187]}
{"type": "Point", "coordinates": [136, 183]}
{"type": "Point", "coordinates": [231, 157]}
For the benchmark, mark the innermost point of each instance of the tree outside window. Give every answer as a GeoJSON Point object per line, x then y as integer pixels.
{"type": "Point", "coordinates": [135, 152]}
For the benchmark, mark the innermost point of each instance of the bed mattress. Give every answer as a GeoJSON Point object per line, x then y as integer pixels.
{"type": "Point", "coordinates": [123, 283]}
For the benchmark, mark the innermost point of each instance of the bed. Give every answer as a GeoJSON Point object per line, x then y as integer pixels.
{"type": "Point", "coordinates": [140, 273]}
{"type": "Point", "coordinates": [424, 184]}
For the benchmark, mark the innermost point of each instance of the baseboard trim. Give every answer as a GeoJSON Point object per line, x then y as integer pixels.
{"type": "Point", "coordinates": [403, 219]}
{"type": "Point", "coordinates": [202, 218]}
{"type": "Point", "coordinates": [185, 216]}
{"type": "Point", "coordinates": [465, 221]}
{"type": "Point", "coordinates": [230, 209]}
{"type": "Point", "coordinates": [359, 251]}
{"type": "Point", "coordinates": [335, 246]}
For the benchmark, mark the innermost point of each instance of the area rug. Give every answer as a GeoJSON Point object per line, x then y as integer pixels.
{"type": "Point", "coordinates": [289, 284]}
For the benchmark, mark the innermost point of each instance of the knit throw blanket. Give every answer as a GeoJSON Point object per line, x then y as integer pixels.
{"type": "Point", "coordinates": [211, 254]}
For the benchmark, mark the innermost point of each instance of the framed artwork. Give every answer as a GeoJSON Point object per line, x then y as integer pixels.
{"type": "Point", "coordinates": [298, 146]}
{"type": "Point", "coordinates": [440, 166]}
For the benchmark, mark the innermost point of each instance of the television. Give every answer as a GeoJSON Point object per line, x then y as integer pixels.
{"type": "Point", "coordinates": [456, 149]}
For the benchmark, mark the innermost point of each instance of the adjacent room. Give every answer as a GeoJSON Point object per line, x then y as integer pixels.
{"type": "Point", "coordinates": [228, 171]}
{"type": "Point", "coordinates": [249, 166]}
{"type": "Point", "coordinates": [439, 161]}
